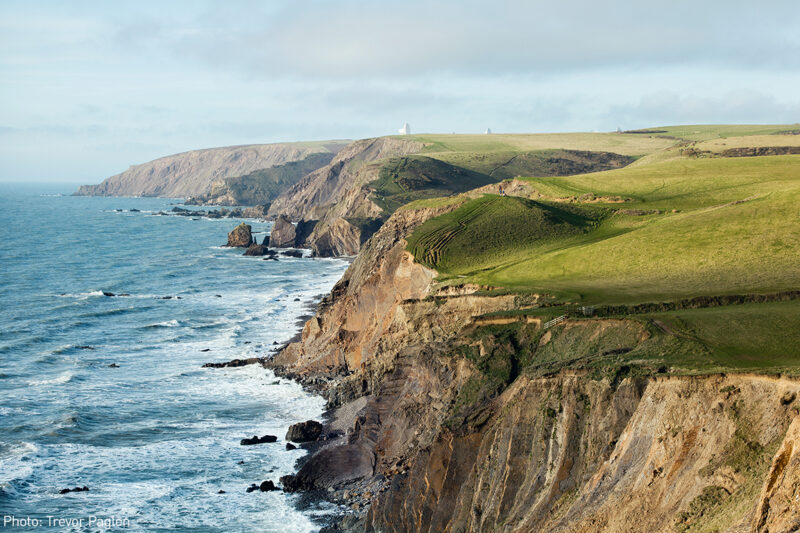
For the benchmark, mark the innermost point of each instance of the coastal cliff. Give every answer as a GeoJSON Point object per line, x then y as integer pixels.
{"type": "Point", "coordinates": [455, 414]}
{"type": "Point", "coordinates": [193, 173]}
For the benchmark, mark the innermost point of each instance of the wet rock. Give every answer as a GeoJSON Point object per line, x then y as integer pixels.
{"type": "Point", "coordinates": [85, 347]}
{"type": "Point", "coordinates": [135, 211]}
{"type": "Point", "coordinates": [290, 446]}
{"type": "Point", "coordinates": [108, 294]}
{"type": "Point", "coordinates": [307, 431]}
{"type": "Point", "coordinates": [221, 492]}
{"type": "Point", "coordinates": [236, 363]}
{"type": "Point", "coordinates": [267, 486]}
{"type": "Point", "coordinates": [206, 350]}
{"type": "Point", "coordinates": [258, 440]}
{"type": "Point", "coordinates": [75, 489]}
{"type": "Point", "coordinates": [258, 250]}
{"type": "Point", "coordinates": [113, 365]}
{"type": "Point", "coordinates": [241, 236]}
{"type": "Point", "coordinates": [292, 253]}
{"type": "Point", "coordinates": [283, 233]}
{"type": "Point", "coordinates": [252, 488]}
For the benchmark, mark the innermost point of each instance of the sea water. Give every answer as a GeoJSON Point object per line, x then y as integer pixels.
{"type": "Point", "coordinates": [110, 393]}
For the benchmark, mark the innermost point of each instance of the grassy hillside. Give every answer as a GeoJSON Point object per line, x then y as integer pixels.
{"type": "Point", "coordinates": [723, 226]}
{"type": "Point", "coordinates": [263, 186]}
{"type": "Point", "coordinates": [625, 144]}
{"type": "Point", "coordinates": [405, 179]}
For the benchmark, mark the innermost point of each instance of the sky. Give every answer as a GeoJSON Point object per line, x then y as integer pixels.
{"type": "Point", "coordinates": [89, 88]}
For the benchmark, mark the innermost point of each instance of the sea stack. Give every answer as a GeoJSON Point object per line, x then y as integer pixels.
{"type": "Point", "coordinates": [241, 236]}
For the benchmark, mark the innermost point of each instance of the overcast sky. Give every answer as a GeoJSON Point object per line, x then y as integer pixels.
{"type": "Point", "coordinates": [89, 88]}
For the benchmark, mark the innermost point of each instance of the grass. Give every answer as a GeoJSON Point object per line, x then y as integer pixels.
{"type": "Point", "coordinates": [743, 336]}
{"type": "Point", "coordinates": [624, 144]}
{"type": "Point", "coordinates": [735, 231]}
{"type": "Point", "coordinates": [402, 180]}
{"type": "Point", "coordinates": [706, 132]}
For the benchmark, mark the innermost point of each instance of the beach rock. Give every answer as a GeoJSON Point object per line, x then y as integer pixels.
{"type": "Point", "coordinates": [307, 431]}
{"type": "Point", "coordinates": [290, 446]}
{"type": "Point", "coordinates": [252, 488]}
{"type": "Point", "coordinates": [267, 486]}
{"type": "Point", "coordinates": [258, 440]}
{"type": "Point", "coordinates": [241, 236]}
{"type": "Point", "coordinates": [76, 489]}
{"type": "Point", "coordinates": [283, 233]}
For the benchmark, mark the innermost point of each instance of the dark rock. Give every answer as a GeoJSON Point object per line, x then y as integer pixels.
{"type": "Point", "coordinates": [788, 398]}
{"type": "Point", "coordinates": [123, 294]}
{"type": "Point", "coordinates": [236, 363]}
{"type": "Point", "coordinates": [259, 250]}
{"type": "Point", "coordinates": [221, 492]}
{"type": "Point", "coordinates": [241, 236]}
{"type": "Point", "coordinates": [75, 489]}
{"type": "Point", "coordinates": [292, 253]}
{"type": "Point", "coordinates": [267, 486]}
{"type": "Point", "coordinates": [206, 350]}
{"type": "Point", "coordinates": [297, 299]}
{"type": "Point", "coordinates": [303, 230]}
{"type": "Point", "coordinates": [258, 440]}
{"type": "Point", "coordinates": [85, 347]}
{"type": "Point", "coordinates": [135, 211]}
{"type": "Point", "coordinates": [307, 431]}
{"type": "Point", "coordinates": [283, 233]}
{"type": "Point", "coordinates": [290, 446]}
{"type": "Point", "coordinates": [113, 365]}
{"type": "Point", "coordinates": [252, 488]}
{"type": "Point", "coordinates": [217, 296]}
{"type": "Point", "coordinates": [108, 293]}
{"type": "Point", "coordinates": [331, 467]}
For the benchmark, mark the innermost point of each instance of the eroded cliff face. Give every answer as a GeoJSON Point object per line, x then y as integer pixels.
{"type": "Point", "coordinates": [567, 453]}
{"type": "Point", "coordinates": [192, 173]}
{"type": "Point", "coordinates": [436, 439]}
{"type": "Point", "coordinates": [335, 195]}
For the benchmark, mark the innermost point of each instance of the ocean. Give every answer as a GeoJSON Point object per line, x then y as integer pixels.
{"type": "Point", "coordinates": [109, 393]}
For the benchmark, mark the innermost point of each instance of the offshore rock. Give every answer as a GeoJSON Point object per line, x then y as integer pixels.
{"type": "Point", "coordinates": [258, 440]}
{"type": "Point", "coordinates": [241, 236]}
{"type": "Point", "coordinates": [258, 250]}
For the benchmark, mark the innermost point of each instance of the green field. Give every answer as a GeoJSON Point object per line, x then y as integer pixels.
{"type": "Point", "coordinates": [734, 229]}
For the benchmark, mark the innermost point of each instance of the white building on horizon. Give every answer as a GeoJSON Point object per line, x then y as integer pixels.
{"type": "Point", "coordinates": [488, 131]}
{"type": "Point", "coordinates": [405, 130]}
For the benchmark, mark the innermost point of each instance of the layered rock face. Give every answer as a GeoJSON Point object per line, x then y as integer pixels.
{"type": "Point", "coordinates": [568, 453]}
{"type": "Point", "coordinates": [333, 196]}
{"type": "Point", "coordinates": [426, 449]}
{"type": "Point", "coordinates": [192, 173]}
